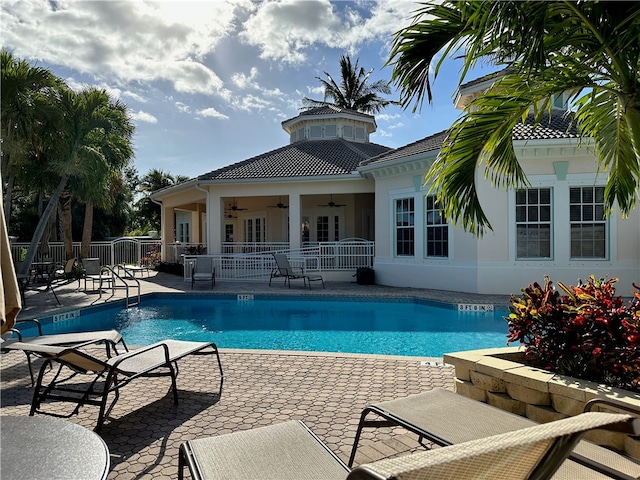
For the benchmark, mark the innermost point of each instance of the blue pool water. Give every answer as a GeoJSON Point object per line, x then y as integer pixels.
{"type": "Point", "coordinates": [331, 325]}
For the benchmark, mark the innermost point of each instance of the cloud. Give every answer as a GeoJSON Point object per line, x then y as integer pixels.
{"type": "Point", "coordinates": [183, 107]}
{"type": "Point", "coordinates": [212, 112]}
{"type": "Point", "coordinates": [125, 41]}
{"type": "Point", "coordinates": [141, 116]}
{"type": "Point", "coordinates": [283, 30]}
{"type": "Point", "coordinates": [243, 81]}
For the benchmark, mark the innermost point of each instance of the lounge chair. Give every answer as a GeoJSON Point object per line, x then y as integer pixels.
{"type": "Point", "coordinates": [111, 338]}
{"type": "Point", "coordinates": [158, 359]}
{"type": "Point", "coordinates": [447, 418]}
{"type": "Point", "coordinates": [285, 270]}
{"type": "Point", "coordinates": [291, 451]}
{"type": "Point", "coordinates": [203, 270]}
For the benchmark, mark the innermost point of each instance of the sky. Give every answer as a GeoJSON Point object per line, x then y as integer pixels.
{"type": "Point", "coordinates": [208, 83]}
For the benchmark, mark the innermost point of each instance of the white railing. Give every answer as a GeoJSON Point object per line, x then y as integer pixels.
{"type": "Point", "coordinates": [241, 261]}
{"type": "Point", "coordinates": [348, 254]}
{"type": "Point", "coordinates": [124, 250]}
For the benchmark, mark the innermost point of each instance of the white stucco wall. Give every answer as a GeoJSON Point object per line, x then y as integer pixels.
{"type": "Point", "coordinates": [488, 264]}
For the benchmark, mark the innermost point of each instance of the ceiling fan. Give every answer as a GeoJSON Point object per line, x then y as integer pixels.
{"type": "Point", "coordinates": [279, 204]}
{"type": "Point", "coordinates": [229, 215]}
{"type": "Point", "coordinates": [234, 207]}
{"type": "Point", "coordinates": [332, 203]}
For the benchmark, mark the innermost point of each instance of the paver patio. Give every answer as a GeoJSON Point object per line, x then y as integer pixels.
{"type": "Point", "coordinates": [327, 391]}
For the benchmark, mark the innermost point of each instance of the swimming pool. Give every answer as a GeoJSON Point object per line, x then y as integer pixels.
{"type": "Point", "coordinates": [328, 324]}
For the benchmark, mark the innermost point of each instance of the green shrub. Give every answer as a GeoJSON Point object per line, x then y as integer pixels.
{"type": "Point", "coordinates": [173, 268]}
{"type": "Point", "coordinates": [588, 333]}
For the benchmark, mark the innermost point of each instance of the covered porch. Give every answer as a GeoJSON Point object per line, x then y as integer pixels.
{"type": "Point", "coordinates": [223, 219]}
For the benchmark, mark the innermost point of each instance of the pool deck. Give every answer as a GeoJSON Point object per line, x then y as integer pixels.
{"type": "Point", "coordinates": [325, 390]}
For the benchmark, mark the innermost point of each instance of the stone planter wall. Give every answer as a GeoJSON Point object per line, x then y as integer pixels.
{"type": "Point", "coordinates": [495, 376]}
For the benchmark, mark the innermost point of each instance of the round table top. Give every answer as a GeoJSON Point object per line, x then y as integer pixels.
{"type": "Point", "coordinates": [50, 448]}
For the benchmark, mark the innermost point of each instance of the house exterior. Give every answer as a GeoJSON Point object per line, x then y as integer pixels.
{"type": "Point", "coordinates": [330, 183]}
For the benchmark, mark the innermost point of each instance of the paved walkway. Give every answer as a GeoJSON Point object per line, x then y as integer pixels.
{"type": "Point", "coordinates": [326, 391]}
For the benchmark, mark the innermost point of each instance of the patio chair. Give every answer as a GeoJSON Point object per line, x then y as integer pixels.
{"type": "Point", "coordinates": [92, 270]}
{"type": "Point", "coordinates": [447, 418]}
{"type": "Point", "coordinates": [111, 338]}
{"type": "Point", "coordinates": [203, 270]}
{"type": "Point", "coordinates": [291, 451]}
{"type": "Point", "coordinates": [158, 359]}
{"type": "Point", "coordinates": [285, 270]}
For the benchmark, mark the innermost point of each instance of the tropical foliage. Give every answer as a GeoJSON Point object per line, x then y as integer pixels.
{"type": "Point", "coordinates": [58, 143]}
{"type": "Point", "coordinates": [147, 212]}
{"type": "Point", "coordinates": [588, 333]}
{"type": "Point", "coordinates": [354, 92]}
{"type": "Point", "coordinates": [589, 49]}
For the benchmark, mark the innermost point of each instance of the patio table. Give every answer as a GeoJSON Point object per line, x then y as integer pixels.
{"type": "Point", "coordinates": [50, 448]}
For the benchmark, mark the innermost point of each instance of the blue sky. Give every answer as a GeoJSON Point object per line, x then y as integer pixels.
{"type": "Point", "coordinates": [209, 82]}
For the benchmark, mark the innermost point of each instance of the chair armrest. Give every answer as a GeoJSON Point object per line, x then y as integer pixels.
{"type": "Point", "coordinates": [134, 353]}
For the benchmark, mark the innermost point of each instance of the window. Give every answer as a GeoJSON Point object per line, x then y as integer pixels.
{"type": "Point", "coordinates": [301, 134]}
{"type": "Point", "coordinates": [533, 223]}
{"type": "Point", "coordinates": [228, 232]}
{"type": "Point", "coordinates": [255, 229]}
{"type": "Point", "coordinates": [336, 228]}
{"type": "Point", "coordinates": [588, 225]}
{"type": "Point", "coordinates": [330, 131]}
{"type": "Point", "coordinates": [437, 230]}
{"type": "Point", "coordinates": [360, 133]}
{"type": "Point", "coordinates": [322, 229]}
{"type": "Point", "coordinates": [183, 233]}
{"type": "Point", "coordinates": [315, 131]}
{"type": "Point", "coordinates": [183, 226]}
{"type": "Point", "coordinates": [347, 131]}
{"type": "Point", "coordinates": [405, 234]}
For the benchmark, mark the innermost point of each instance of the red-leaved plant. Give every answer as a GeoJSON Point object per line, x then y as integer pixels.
{"type": "Point", "coordinates": [587, 333]}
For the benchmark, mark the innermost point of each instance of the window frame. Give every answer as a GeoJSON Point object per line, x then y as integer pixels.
{"type": "Point", "coordinates": [537, 222]}
{"type": "Point", "coordinates": [581, 210]}
{"type": "Point", "coordinates": [441, 225]}
{"type": "Point", "coordinates": [410, 228]}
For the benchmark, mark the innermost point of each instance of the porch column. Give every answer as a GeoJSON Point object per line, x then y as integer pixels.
{"type": "Point", "coordinates": [295, 219]}
{"type": "Point", "coordinates": [168, 229]}
{"type": "Point", "coordinates": [215, 209]}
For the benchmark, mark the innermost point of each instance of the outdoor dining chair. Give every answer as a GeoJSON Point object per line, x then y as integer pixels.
{"type": "Point", "coordinates": [203, 270]}
{"type": "Point", "coordinates": [289, 451]}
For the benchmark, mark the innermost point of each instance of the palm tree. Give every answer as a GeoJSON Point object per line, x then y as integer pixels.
{"type": "Point", "coordinates": [354, 91]}
{"type": "Point", "coordinates": [148, 213]}
{"type": "Point", "coordinates": [24, 98]}
{"type": "Point", "coordinates": [590, 49]}
{"type": "Point", "coordinates": [104, 185]}
{"type": "Point", "coordinates": [72, 152]}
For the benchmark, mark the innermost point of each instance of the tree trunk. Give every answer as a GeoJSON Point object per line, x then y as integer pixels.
{"type": "Point", "coordinates": [65, 223]}
{"type": "Point", "coordinates": [37, 234]}
{"type": "Point", "coordinates": [7, 197]}
{"type": "Point", "coordinates": [87, 229]}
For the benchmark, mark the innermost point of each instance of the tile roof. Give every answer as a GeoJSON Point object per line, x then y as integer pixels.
{"type": "Point", "coordinates": [329, 110]}
{"type": "Point", "coordinates": [301, 159]}
{"type": "Point", "coordinates": [432, 142]}
{"type": "Point", "coordinates": [559, 125]}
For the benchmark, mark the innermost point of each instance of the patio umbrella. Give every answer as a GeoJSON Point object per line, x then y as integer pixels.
{"type": "Point", "coordinates": [10, 302]}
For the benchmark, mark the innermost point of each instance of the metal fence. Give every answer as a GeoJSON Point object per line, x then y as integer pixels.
{"type": "Point", "coordinates": [348, 254]}
{"type": "Point", "coordinates": [238, 261]}
{"type": "Point", "coordinates": [125, 250]}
